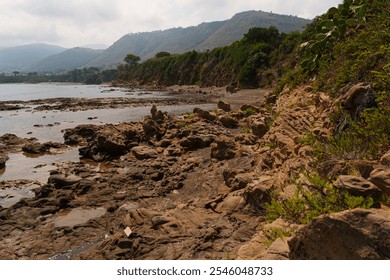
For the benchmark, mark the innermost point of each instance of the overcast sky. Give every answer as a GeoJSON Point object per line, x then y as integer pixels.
{"type": "Point", "coordinates": [71, 23]}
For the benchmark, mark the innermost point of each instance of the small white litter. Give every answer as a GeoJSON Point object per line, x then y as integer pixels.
{"type": "Point", "coordinates": [128, 231]}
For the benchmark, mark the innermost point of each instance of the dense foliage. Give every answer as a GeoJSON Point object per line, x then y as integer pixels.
{"type": "Point", "coordinates": [90, 75]}
{"type": "Point", "coordinates": [240, 64]}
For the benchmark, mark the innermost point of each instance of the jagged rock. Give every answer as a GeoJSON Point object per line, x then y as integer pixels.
{"type": "Point", "coordinates": [144, 152]}
{"type": "Point", "coordinates": [34, 148]}
{"type": "Point", "coordinates": [258, 193]}
{"type": "Point", "coordinates": [278, 250]}
{"type": "Point", "coordinates": [224, 106]}
{"type": "Point", "coordinates": [236, 181]}
{"type": "Point", "coordinates": [259, 128]}
{"type": "Point", "coordinates": [385, 159]}
{"type": "Point", "coordinates": [334, 168]}
{"type": "Point", "coordinates": [38, 148]}
{"type": "Point", "coordinates": [223, 148]}
{"type": "Point", "coordinates": [358, 98]}
{"type": "Point", "coordinates": [79, 134]}
{"type": "Point", "coordinates": [194, 142]}
{"type": "Point", "coordinates": [350, 235]}
{"type": "Point", "coordinates": [3, 160]}
{"type": "Point", "coordinates": [381, 178]}
{"type": "Point", "coordinates": [151, 128]}
{"type": "Point", "coordinates": [12, 140]}
{"type": "Point", "coordinates": [246, 139]}
{"type": "Point", "coordinates": [228, 122]}
{"type": "Point", "coordinates": [157, 115]}
{"type": "Point", "coordinates": [105, 147]}
{"type": "Point", "coordinates": [210, 116]}
{"type": "Point", "coordinates": [358, 186]}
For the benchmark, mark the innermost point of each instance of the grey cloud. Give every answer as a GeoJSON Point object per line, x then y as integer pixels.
{"type": "Point", "coordinates": [75, 22]}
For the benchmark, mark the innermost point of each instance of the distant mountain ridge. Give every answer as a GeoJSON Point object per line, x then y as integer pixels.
{"type": "Point", "coordinates": [15, 58]}
{"type": "Point", "coordinates": [64, 61]}
{"type": "Point", "coordinates": [207, 35]}
{"type": "Point", "coordinates": [201, 37]}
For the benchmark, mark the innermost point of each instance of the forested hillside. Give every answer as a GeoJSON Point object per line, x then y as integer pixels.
{"type": "Point", "coordinates": [205, 36]}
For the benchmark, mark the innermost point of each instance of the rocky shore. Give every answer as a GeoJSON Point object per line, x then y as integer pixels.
{"type": "Point", "coordinates": [193, 187]}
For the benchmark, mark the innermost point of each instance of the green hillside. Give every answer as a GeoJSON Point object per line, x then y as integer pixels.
{"type": "Point", "coordinates": [205, 36]}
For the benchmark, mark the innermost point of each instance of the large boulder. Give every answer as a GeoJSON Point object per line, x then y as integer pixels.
{"type": "Point", "coordinates": [381, 178]}
{"type": "Point", "coordinates": [358, 234]}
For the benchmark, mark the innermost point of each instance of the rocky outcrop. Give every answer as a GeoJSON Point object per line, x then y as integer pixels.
{"type": "Point", "coordinates": [38, 148]}
{"type": "Point", "coordinates": [224, 106]}
{"type": "Point", "coordinates": [381, 178]}
{"type": "Point", "coordinates": [358, 186]}
{"type": "Point", "coordinates": [224, 148]}
{"type": "Point", "coordinates": [351, 235]}
{"type": "Point", "coordinates": [3, 160]}
{"type": "Point", "coordinates": [195, 187]}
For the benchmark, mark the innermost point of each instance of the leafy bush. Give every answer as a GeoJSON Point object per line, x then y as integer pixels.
{"type": "Point", "coordinates": [308, 203]}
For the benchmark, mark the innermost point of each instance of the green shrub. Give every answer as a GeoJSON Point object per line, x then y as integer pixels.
{"type": "Point", "coordinates": [310, 202]}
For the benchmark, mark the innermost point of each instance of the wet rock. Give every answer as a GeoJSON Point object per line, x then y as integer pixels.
{"type": "Point", "coordinates": [381, 178]}
{"type": "Point", "coordinates": [34, 148]}
{"type": "Point", "coordinates": [358, 186]}
{"type": "Point", "coordinates": [144, 152]}
{"type": "Point", "coordinates": [60, 181]}
{"type": "Point", "coordinates": [105, 147]}
{"type": "Point", "coordinates": [79, 134]}
{"type": "Point", "coordinates": [12, 140]}
{"type": "Point", "coordinates": [228, 122]}
{"type": "Point", "coordinates": [210, 116]}
{"type": "Point", "coordinates": [357, 234]}
{"type": "Point", "coordinates": [3, 160]}
{"type": "Point", "coordinates": [223, 148]}
{"type": "Point", "coordinates": [224, 106]}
